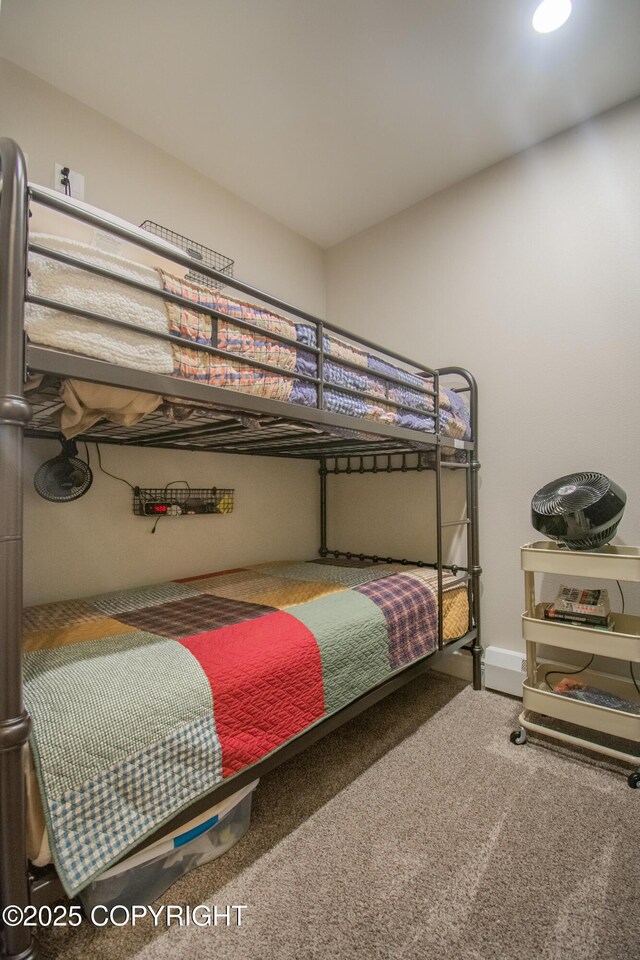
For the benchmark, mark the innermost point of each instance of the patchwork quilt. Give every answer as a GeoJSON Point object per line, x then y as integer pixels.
{"type": "Point", "coordinates": [346, 366]}
{"type": "Point", "coordinates": [144, 700]}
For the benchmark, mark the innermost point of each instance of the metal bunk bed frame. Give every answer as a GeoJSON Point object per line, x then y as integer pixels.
{"type": "Point", "coordinates": [289, 430]}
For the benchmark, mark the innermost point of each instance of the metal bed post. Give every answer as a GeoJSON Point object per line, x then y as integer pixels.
{"type": "Point", "coordinates": [473, 547]}
{"type": "Point", "coordinates": [474, 560]}
{"type": "Point", "coordinates": [323, 461]}
{"type": "Point", "coordinates": [439, 558]}
{"type": "Point", "coordinates": [323, 507]}
{"type": "Point", "coordinates": [474, 565]}
{"type": "Point", "coordinates": [15, 723]}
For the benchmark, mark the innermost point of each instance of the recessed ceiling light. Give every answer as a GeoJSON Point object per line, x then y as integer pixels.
{"type": "Point", "coordinates": [550, 15]}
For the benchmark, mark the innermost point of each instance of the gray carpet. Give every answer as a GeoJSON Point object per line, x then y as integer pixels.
{"type": "Point", "coordinates": [416, 832]}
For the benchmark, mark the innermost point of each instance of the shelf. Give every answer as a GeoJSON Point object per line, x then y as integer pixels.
{"type": "Point", "coordinates": [616, 723]}
{"type": "Point", "coordinates": [623, 643]}
{"type": "Point", "coordinates": [607, 563]}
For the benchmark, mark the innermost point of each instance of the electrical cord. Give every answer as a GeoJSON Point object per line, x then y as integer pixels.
{"type": "Point", "coordinates": [183, 502]}
{"type": "Point", "coordinates": [565, 673]}
{"type": "Point", "coordinates": [121, 479]}
{"type": "Point", "coordinates": [621, 595]}
{"type": "Point", "coordinates": [131, 486]}
{"type": "Point", "coordinates": [112, 475]}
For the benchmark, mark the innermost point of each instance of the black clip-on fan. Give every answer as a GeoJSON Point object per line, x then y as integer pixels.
{"type": "Point", "coordinates": [65, 477]}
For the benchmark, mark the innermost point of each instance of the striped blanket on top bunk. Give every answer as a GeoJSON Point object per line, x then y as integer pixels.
{"type": "Point", "coordinates": [346, 366]}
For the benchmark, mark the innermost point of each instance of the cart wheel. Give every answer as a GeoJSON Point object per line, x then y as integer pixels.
{"type": "Point", "coordinates": [634, 780]}
{"type": "Point", "coordinates": [519, 736]}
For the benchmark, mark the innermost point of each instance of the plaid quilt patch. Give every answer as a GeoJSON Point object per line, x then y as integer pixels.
{"type": "Point", "coordinates": [336, 347]}
{"type": "Point", "coordinates": [338, 402]}
{"type": "Point", "coordinates": [411, 612]}
{"type": "Point", "coordinates": [246, 342]}
{"type": "Point", "coordinates": [341, 375]}
{"type": "Point", "coordinates": [224, 335]}
{"type": "Point", "coordinates": [122, 805]}
{"type": "Point", "coordinates": [194, 615]}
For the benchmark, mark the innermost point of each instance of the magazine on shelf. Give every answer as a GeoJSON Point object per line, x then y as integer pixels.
{"type": "Point", "coordinates": [594, 603]}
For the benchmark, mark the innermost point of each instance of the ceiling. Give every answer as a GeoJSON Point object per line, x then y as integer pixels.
{"type": "Point", "coordinates": [331, 115]}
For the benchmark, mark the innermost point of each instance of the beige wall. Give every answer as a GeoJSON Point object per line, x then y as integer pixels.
{"type": "Point", "coordinates": [528, 275]}
{"type": "Point", "coordinates": [133, 179]}
{"type": "Point", "coordinates": [96, 543]}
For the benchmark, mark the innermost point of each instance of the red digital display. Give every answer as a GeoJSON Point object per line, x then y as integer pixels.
{"type": "Point", "coordinates": [156, 509]}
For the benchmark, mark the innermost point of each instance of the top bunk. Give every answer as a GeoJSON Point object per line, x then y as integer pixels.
{"type": "Point", "coordinates": [123, 346]}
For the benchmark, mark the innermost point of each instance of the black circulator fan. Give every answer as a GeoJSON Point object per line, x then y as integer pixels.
{"type": "Point", "coordinates": [581, 511]}
{"type": "Point", "coordinates": [65, 477]}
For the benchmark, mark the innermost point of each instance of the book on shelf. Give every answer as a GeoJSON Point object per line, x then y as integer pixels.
{"type": "Point", "coordinates": [593, 603]}
{"type": "Point", "coordinates": [550, 612]}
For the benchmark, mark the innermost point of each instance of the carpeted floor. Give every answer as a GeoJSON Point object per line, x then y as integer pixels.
{"type": "Point", "coordinates": [416, 832]}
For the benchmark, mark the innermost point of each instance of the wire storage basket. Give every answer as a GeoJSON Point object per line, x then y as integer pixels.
{"type": "Point", "coordinates": [183, 501]}
{"type": "Point", "coordinates": [207, 256]}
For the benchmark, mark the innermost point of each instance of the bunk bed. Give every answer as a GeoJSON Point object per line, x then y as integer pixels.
{"type": "Point", "coordinates": [202, 370]}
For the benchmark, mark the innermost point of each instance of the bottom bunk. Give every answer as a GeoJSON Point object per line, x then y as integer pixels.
{"type": "Point", "coordinates": [144, 701]}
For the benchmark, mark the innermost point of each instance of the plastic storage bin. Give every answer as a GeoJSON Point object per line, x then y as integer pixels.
{"type": "Point", "coordinates": [145, 876]}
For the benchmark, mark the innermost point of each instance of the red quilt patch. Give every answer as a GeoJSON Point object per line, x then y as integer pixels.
{"type": "Point", "coordinates": [266, 680]}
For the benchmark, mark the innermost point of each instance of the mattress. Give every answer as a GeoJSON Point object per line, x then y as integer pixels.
{"type": "Point", "coordinates": [405, 400]}
{"type": "Point", "coordinates": [145, 700]}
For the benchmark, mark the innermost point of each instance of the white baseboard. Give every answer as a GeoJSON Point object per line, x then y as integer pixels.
{"type": "Point", "coordinates": [504, 670]}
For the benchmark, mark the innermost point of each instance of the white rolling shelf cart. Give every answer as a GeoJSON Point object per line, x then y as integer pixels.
{"type": "Point", "coordinates": [606, 563]}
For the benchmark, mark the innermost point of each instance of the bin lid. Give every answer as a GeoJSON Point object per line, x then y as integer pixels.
{"type": "Point", "coordinates": [184, 834]}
